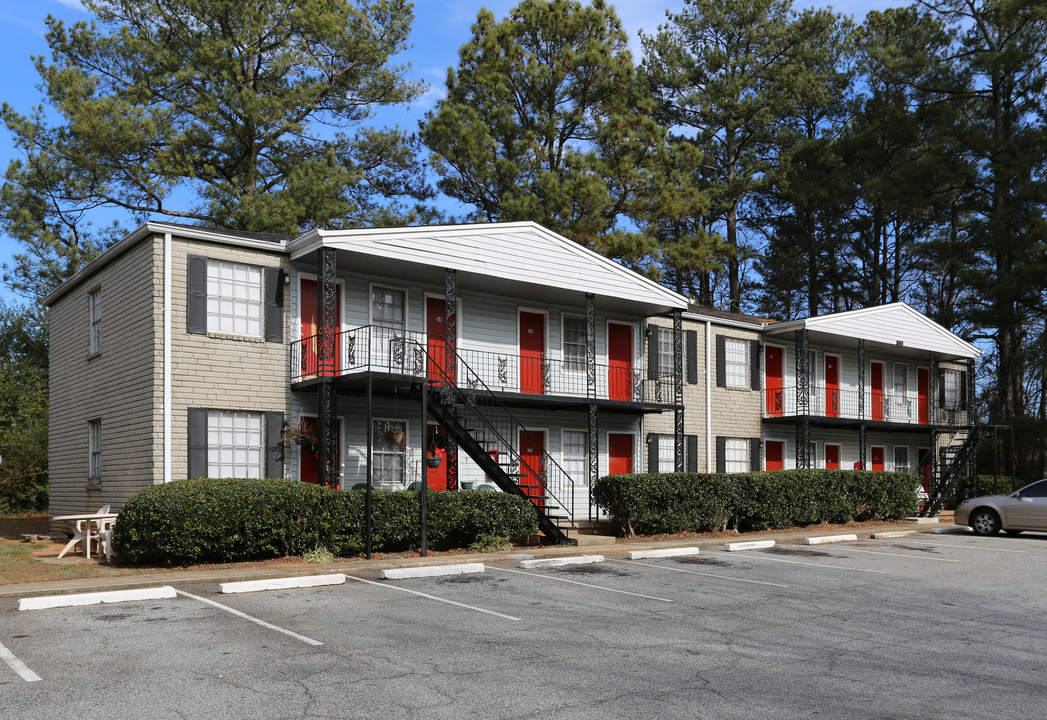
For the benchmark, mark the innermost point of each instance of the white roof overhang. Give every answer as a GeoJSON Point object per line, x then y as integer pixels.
{"type": "Point", "coordinates": [521, 260]}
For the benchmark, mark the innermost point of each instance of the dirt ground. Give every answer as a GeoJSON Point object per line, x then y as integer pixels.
{"type": "Point", "coordinates": [27, 562]}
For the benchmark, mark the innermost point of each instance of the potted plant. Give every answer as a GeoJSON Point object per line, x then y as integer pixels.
{"type": "Point", "coordinates": [436, 451]}
{"type": "Point", "coordinates": [300, 434]}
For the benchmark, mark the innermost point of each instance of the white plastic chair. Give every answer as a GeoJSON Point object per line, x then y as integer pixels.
{"type": "Point", "coordinates": [104, 537]}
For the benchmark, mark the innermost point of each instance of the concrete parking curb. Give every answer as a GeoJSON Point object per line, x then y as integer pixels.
{"type": "Point", "coordinates": [895, 534]}
{"type": "Point", "coordinates": [826, 539]}
{"type": "Point", "coordinates": [754, 545]}
{"type": "Point", "coordinates": [431, 571]}
{"type": "Point", "coordinates": [284, 583]}
{"type": "Point", "coordinates": [113, 596]}
{"type": "Point", "coordinates": [560, 562]}
{"type": "Point", "coordinates": [667, 552]}
{"type": "Point", "coordinates": [951, 529]}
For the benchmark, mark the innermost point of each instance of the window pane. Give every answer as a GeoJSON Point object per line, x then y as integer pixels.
{"type": "Point", "coordinates": [737, 362]}
{"type": "Point", "coordinates": [666, 454]}
{"type": "Point", "coordinates": [234, 298]}
{"type": "Point", "coordinates": [665, 352]}
{"type": "Point", "coordinates": [574, 343]}
{"type": "Point", "coordinates": [736, 457]}
{"type": "Point", "coordinates": [234, 444]}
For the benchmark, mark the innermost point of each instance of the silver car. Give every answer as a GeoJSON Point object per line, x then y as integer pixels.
{"type": "Point", "coordinates": [1025, 509]}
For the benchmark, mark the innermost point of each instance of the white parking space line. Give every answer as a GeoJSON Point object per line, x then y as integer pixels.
{"type": "Point", "coordinates": [695, 572]}
{"type": "Point", "coordinates": [17, 665]}
{"type": "Point", "coordinates": [245, 616]}
{"type": "Point", "coordinates": [575, 582]}
{"type": "Point", "coordinates": [901, 555]}
{"type": "Point", "coordinates": [761, 556]}
{"type": "Point", "coordinates": [964, 547]}
{"type": "Point", "coordinates": [433, 597]}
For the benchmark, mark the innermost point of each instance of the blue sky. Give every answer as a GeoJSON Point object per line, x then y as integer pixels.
{"type": "Point", "coordinates": [440, 28]}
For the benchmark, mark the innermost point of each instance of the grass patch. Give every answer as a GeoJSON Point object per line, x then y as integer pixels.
{"type": "Point", "coordinates": [491, 543]}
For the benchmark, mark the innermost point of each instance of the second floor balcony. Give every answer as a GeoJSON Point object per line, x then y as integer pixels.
{"type": "Point", "coordinates": [909, 408]}
{"type": "Point", "coordinates": [394, 352]}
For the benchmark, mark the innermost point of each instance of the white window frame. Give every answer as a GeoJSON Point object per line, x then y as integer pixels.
{"type": "Point", "coordinates": [235, 298]}
{"type": "Point", "coordinates": [736, 362]}
{"type": "Point", "coordinates": [900, 383]}
{"type": "Point", "coordinates": [736, 457]}
{"type": "Point", "coordinates": [894, 459]}
{"type": "Point", "coordinates": [574, 354]}
{"type": "Point", "coordinates": [666, 454]}
{"type": "Point", "coordinates": [94, 303]}
{"type": "Point", "coordinates": [382, 450]}
{"type": "Point", "coordinates": [664, 348]}
{"type": "Point", "coordinates": [94, 450]}
{"type": "Point", "coordinates": [570, 459]}
{"type": "Point", "coordinates": [951, 394]}
{"type": "Point", "coordinates": [235, 444]}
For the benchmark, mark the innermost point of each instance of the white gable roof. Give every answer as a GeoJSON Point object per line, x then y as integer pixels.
{"type": "Point", "coordinates": [894, 324]}
{"type": "Point", "coordinates": [522, 252]}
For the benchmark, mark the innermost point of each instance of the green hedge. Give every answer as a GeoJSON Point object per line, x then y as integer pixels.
{"type": "Point", "coordinates": [677, 502]}
{"type": "Point", "coordinates": [987, 485]}
{"type": "Point", "coordinates": [225, 520]}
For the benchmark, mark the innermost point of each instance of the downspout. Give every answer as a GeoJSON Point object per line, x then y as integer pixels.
{"type": "Point", "coordinates": [708, 399]}
{"type": "Point", "coordinates": [167, 357]}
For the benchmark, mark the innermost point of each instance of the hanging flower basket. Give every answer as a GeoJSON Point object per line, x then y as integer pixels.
{"type": "Point", "coordinates": [300, 434]}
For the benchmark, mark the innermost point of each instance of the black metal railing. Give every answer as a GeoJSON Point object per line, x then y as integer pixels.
{"type": "Point", "coordinates": [378, 349]}
{"type": "Point", "coordinates": [848, 404]}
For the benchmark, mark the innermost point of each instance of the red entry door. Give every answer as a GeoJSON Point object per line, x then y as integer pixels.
{"type": "Point", "coordinates": [877, 459]}
{"type": "Point", "coordinates": [775, 451]}
{"type": "Point", "coordinates": [620, 361]}
{"type": "Point", "coordinates": [532, 455]}
{"type": "Point", "coordinates": [877, 391]}
{"type": "Point", "coordinates": [620, 453]}
{"type": "Point", "coordinates": [308, 457]}
{"type": "Point", "coordinates": [310, 328]}
{"type": "Point", "coordinates": [773, 382]}
{"type": "Point", "coordinates": [440, 369]}
{"type": "Point", "coordinates": [923, 389]}
{"type": "Point", "coordinates": [832, 386]}
{"type": "Point", "coordinates": [532, 352]}
{"type": "Point", "coordinates": [832, 457]}
{"type": "Point", "coordinates": [436, 448]}
{"type": "Point", "coordinates": [924, 454]}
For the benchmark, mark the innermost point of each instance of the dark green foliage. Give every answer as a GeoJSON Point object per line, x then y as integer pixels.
{"type": "Point", "coordinates": [212, 520]}
{"type": "Point", "coordinates": [987, 485]}
{"type": "Point", "coordinates": [676, 502]}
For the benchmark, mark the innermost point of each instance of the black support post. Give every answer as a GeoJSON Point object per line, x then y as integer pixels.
{"type": "Point", "coordinates": [803, 399]}
{"type": "Point", "coordinates": [451, 328]}
{"type": "Point", "coordinates": [327, 360]}
{"type": "Point", "coordinates": [678, 426]}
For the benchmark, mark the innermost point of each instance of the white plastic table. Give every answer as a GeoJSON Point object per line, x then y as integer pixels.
{"type": "Point", "coordinates": [83, 525]}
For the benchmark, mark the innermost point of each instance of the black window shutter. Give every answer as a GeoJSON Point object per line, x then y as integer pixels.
{"type": "Point", "coordinates": [196, 306]}
{"type": "Point", "coordinates": [652, 454]}
{"type": "Point", "coordinates": [274, 305]}
{"type": "Point", "coordinates": [692, 357]}
{"type": "Point", "coordinates": [963, 390]}
{"type": "Point", "coordinates": [754, 364]}
{"type": "Point", "coordinates": [941, 388]}
{"type": "Point", "coordinates": [197, 442]}
{"type": "Point", "coordinates": [754, 455]}
{"type": "Point", "coordinates": [652, 352]}
{"type": "Point", "coordinates": [721, 454]}
{"type": "Point", "coordinates": [692, 453]}
{"type": "Point", "coordinates": [721, 361]}
{"type": "Point", "coordinates": [274, 446]}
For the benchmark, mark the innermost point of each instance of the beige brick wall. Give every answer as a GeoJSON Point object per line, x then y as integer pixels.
{"type": "Point", "coordinates": [117, 386]}
{"type": "Point", "coordinates": [221, 372]}
{"type": "Point", "coordinates": [735, 412]}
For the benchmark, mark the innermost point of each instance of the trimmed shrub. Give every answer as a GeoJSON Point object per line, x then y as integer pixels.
{"type": "Point", "coordinates": [227, 520]}
{"type": "Point", "coordinates": [675, 502]}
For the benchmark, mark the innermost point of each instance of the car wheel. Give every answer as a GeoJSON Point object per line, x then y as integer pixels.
{"type": "Point", "coordinates": [1013, 532]}
{"type": "Point", "coordinates": [985, 522]}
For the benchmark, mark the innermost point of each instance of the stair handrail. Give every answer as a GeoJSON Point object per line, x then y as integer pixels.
{"type": "Point", "coordinates": [952, 472]}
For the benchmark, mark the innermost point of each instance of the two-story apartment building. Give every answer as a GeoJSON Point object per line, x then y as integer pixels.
{"type": "Point", "coordinates": [471, 356]}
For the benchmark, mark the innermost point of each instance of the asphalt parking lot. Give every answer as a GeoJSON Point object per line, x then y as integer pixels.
{"type": "Point", "coordinates": [928, 626]}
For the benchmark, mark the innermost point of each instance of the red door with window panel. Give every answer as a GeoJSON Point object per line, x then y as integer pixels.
{"type": "Point", "coordinates": [775, 452]}
{"type": "Point", "coordinates": [532, 352]}
{"type": "Point", "coordinates": [832, 457]}
{"type": "Point", "coordinates": [532, 466]}
{"type": "Point", "coordinates": [620, 453]}
{"type": "Point", "coordinates": [310, 328]}
{"type": "Point", "coordinates": [620, 361]}
{"type": "Point", "coordinates": [877, 391]}
{"type": "Point", "coordinates": [877, 459]}
{"type": "Point", "coordinates": [308, 456]}
{"type": "Point", "coordinates": [923, 390]}
{"type": "Point", "coordinates": [436, 447]}
{"type": "Point", "coordinates": [924, 455]}
{"type": "Point", "coordinates": [439, 368]}
{"type": "Point", "coordinates": [773, 381]}
{"type": "Point", "coordinates": [832, 386]}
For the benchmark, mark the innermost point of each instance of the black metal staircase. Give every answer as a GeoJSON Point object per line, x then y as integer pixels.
{"type": "Point", "coordinates": [489, 433]}
{"type": "Point", "coordinates": [954, 465]}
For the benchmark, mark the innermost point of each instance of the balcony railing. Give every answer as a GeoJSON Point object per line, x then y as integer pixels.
{"type": "Point", "coordinates": [384, 350]}
{"type": "Point", "coordinates": [878, 406]}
